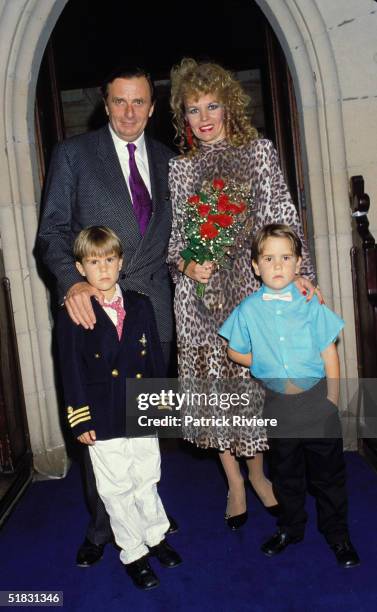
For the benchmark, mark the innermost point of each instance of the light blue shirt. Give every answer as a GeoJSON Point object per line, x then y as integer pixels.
{"type": "Point", "coordinates": [285, 338]}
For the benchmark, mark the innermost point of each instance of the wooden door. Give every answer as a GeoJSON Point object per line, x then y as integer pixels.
{"type": "Point", "coordinates": [283, 123]}
{"type": "Point", "coordinates": [15, 452]}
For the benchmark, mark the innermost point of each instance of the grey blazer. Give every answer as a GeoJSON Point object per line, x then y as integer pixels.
{"type": "Point", "coordinates": [85, 186]}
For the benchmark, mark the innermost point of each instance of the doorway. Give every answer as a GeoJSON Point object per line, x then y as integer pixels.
{"type": "Point", "coordinates": [236, 34]}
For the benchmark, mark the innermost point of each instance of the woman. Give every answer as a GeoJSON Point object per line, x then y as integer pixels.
{"type": "Point", "coordinates": [217, 140]}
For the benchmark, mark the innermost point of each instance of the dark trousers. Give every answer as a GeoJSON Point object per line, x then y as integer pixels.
{"type": "Point", "coordinates": [305, 463]}
{"type": "Point", "coordinates": [99, 530]}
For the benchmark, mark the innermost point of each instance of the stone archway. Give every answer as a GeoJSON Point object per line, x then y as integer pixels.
{"type": "Point", "coordinates": [304, 37]}
{"type": "Point", "coordinates": [25, 26]}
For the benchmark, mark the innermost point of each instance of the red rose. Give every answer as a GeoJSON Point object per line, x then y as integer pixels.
{"type": "Point", "coordinates": [236, 209]}
{"type": "Point", "coordinates": [194, 199]}
{"type": "Point", "coordinates": [218, 184]}
{"type": "Point", "coordinates": [232, 208]}
{"type": "Point", "coordinates": [222, 202]}
{"type": "Point", "coordinates": [222, 220]}
{"type": "Point", "coordinates": [208, 230]}
{"type": "Point", "coordinates": [203, 209]}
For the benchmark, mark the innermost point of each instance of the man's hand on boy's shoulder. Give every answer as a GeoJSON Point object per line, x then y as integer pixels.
{"type": "Point", "coordinates": [79, 306]}
{"type": "Point", "coordinates": [89, 437]}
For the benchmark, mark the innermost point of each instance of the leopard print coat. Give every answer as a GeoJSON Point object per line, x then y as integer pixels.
{"type": "Point", "coordinates": [201, 351]}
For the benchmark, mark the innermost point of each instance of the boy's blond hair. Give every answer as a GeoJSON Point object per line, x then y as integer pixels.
{"type": "Point", "coordinates": [96, 240]}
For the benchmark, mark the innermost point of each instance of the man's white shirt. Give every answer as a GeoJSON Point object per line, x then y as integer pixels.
{"type": "Point", "coordinates": [141, 158]}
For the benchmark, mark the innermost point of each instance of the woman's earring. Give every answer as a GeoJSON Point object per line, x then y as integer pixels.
{"type": "Point", "coordinates": [189, 135]}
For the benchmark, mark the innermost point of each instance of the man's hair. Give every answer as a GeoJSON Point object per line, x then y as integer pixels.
{"type": "Point", "coordinates": [126, 72]}
{"type": "Point", "coordinates": [275, 230]}
{"type": "Point", "coordinates": [96, 241]}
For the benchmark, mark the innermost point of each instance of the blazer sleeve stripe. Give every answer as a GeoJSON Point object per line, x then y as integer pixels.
{"type": "Point", "coordinates": [72, 412]}
{"type": "Point", "coordinates": [80, 420]}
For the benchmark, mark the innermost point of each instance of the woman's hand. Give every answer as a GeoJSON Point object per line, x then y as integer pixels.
{"type": "Point", "coordinates": [201, 273]}
{"type": "Point", "coordinates": [306, 287]}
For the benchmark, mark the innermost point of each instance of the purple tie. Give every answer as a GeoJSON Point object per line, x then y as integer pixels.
{"type": "Point", "coordinates": [141, 199]}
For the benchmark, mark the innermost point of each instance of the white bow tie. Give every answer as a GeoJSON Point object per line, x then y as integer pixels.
{"type": "Point", "coordinates": [285, 297]}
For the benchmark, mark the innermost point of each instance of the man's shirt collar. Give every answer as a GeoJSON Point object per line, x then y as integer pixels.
{"type": "Point", "coordinates": [121, 144]}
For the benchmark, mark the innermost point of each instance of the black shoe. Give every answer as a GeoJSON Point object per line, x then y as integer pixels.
{"type": "Point", "coordinates": [165, 554]}
{"type": "Point", "coordinates": [88, 554]}
{"type": "Point", "coordinates": [142, 574]}
{"type": "Point", "coordinates": [273, 510]}
{"type": "Point", "coordinates": [173, 526]}
{"type": "Point", "coordinates": [277, 543]}
{"type": "Point", "coordinates": [345, 554]}
{"type": "Point", "coordinates": [236, 522]}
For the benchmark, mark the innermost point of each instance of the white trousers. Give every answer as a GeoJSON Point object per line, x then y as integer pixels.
{"type": "Point", "coordinates": [127, 471]}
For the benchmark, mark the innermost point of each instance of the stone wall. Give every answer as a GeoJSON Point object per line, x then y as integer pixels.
{"type": "Point", "coordinates": [331, 49]}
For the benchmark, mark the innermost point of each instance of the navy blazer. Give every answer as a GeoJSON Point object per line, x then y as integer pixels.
{"type": "Point", "coordinates": [86, 186]}
{"type": "Point", "coordinates": [94, 365]}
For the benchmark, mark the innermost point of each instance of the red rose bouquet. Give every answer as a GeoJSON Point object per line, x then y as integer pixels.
{"type": "Point", "coordinates": [214, 217]}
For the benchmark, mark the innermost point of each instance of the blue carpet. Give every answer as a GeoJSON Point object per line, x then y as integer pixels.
{"type": "Point", "coordinates": [222, 570]}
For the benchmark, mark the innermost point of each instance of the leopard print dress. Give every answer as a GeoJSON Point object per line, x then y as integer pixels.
{"type": "Point", "coordinates": [201, 351]}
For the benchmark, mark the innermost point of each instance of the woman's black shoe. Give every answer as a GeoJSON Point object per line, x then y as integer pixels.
{"type": "Point", "coordinates": [236, 522]}
{"type": "Point", "coordinates": [273, 510]}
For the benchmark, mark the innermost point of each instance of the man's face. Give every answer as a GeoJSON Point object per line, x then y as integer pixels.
{"type": "Point", "coordinates": [129, 106]}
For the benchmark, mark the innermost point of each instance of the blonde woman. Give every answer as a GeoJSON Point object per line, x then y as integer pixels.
{"type": "Point", "coordinates": [216, 139]}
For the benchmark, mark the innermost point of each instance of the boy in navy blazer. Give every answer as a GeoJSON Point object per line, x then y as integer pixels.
{"type": "Point", "coordinates": [94, 367]}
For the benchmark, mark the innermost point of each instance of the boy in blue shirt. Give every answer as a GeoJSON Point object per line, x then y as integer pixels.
{"type": "Point", "coordinates": [289, 344]}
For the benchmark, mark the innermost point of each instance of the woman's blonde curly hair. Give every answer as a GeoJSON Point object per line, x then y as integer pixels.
{"type": "Point", "coordinates": [190, 79]}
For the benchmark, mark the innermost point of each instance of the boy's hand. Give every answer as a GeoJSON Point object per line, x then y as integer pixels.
{"type": "Point", "coordinates": [89, 437]}
{"type": "Point", "coordinates": [333, 400]}
{"type": "Point", "coordinates": [333, 390]}
{"type": "Point", "coordinates": [332, 369]}
{"type": "Point", "coordinates": [78, 304]}
{"type": "Point", "coordinates": [306, 287]}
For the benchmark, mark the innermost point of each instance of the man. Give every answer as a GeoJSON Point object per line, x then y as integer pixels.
{"type": "Point", "coordinates": [117, 177]}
